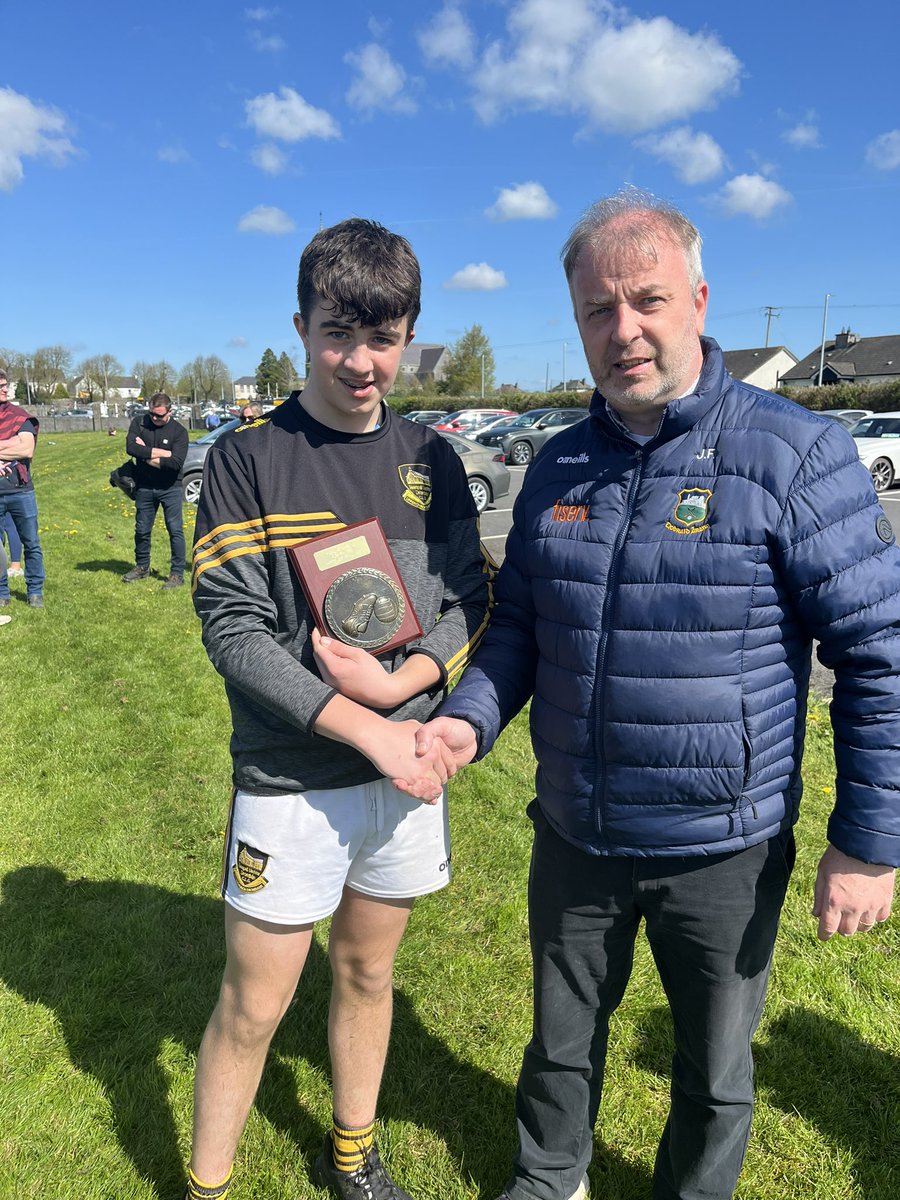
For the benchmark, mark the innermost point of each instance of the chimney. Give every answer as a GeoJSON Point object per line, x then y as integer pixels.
{"type": "Point", "coordinates": [845, 339]}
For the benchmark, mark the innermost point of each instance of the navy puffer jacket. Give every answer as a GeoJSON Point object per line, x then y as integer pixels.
{"type": "Point", "coordinates": [660, 602]}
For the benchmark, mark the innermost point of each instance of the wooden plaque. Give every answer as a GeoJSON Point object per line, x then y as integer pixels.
{"type": "Point", "coordinates": [353, 588]}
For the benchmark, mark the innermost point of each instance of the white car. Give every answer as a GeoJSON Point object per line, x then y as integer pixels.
{"type": "Point", "coordinates": [878, 442]}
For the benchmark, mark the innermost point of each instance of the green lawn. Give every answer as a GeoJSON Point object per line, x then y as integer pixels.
{"type": "Point", "coordinates": [115, 781]}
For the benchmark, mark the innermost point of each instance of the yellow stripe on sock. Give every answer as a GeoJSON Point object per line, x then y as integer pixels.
{"type": "Point", "coordinates": [349, 1147]}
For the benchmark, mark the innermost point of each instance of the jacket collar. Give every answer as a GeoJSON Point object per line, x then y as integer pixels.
{"type": "Point", "coordinates": [678, 415]}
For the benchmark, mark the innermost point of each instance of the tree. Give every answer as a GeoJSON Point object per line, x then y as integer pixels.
{"type": "Point", "coordinates": [267, 374]}
{"type": "Point", "coordinates": [154, 377]}
{"type": "Point", "coordinates": [210, 375]}
{"type": "Point", "coordinates": [471, 360]}
{"type": "Point", "coordinates": [97, 372]}
{"type": "Point", "coordinates": [50, 365]}
{"type": "Point", "coordinates": [287, 373]}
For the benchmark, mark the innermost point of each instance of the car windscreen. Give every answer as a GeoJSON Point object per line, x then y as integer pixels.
{"type": "Point", "coordinates": [877, 427]}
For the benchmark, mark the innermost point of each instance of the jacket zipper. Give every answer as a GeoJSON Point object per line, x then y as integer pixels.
{"type": "Point", "coordinates": [605, 622]}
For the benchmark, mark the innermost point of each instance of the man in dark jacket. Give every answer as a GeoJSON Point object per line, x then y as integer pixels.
{"type": "Point", "coordinates": [159, 446]}
{"type": "Point", "coordinates": [671, 561]}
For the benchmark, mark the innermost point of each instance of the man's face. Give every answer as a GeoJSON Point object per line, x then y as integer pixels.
{"type": "Point", "coordinates": [352, 367]}
{"type": "Point", "coordinates": [4, 391]}
{"type": "Point", "coordinates": [247, 416]}
{"type": "Point", "coordinates": [640, 322]}
{"type": "Point", "coordinates": [160, 415]}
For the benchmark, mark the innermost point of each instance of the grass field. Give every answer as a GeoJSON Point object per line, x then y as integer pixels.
{"type": "Point", "coordinates": [114, 774]}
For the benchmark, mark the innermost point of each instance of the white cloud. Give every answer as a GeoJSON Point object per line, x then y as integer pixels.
{"type": "Point", "coordinates": [883, 152]}
{"type": "Point", "coordinates": [265, 219]}
{"type": "Point", "coordinates": [804, 136]}
{"type": "Point", "coordinates": [522, 202]}
{"type": "Point", "coordinates": [695, 157]}
{"type": "Point", "coordinates": [260, 14]}
{"type": "Point", "coordinates": [271, 44]}
{"type": "Point", "coordinates": [28, 130]}
{"type": "Point", "coordinates": [269, 158]}
{"type": "Point", "coordinates": [622, 73]}
{"type": "Point", "coordinates": [752, 196]}
{"type": "Point", "coordinates": [477, 277]}
{"type": "Point", "coordinates": [237, 341]}
{"type": "Point", "coordinates": [379, 81]}
{"type": "Point", "coordinates": [289, 118]}
{"type": "Point", "coordinates": [173, 154]}
{"type": "Point", "coordinates": [448, 40]}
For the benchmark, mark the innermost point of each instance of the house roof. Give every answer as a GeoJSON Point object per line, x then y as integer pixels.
{"type": "Point", "coordinates": [422, 356]}
{"type": "Point", "coordinates": [123, 381]}
{"type": "Point", "coordinates": [246, 381]}
{"type": "Point", "coordinates": [741, 363]}
{"type": "Point", "coordinates": [867, 356]}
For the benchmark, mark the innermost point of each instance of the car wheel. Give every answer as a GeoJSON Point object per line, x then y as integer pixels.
{"type": "Point", "coordinates": [481, 492]}
{"type": "Point", "coordinates": [190, 488]}
{"type": "Point", "coordinates": [882, 472]}
{"type": "Point", "coordinates": [521, 453]}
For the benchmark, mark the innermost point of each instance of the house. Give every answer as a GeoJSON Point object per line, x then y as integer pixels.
{"type": "Point", "coordinates": [427, 361]}
{"type": "Point", "coordinates": [849, 359]}
{"type": "Point", "coordinates": [573, 385]}
{"type": "Point", "coordinates": [244, 389]}
{"type": "Point", "coordinates": [761, 368]}
{"type": "Point", "coordinates": [119, 387]}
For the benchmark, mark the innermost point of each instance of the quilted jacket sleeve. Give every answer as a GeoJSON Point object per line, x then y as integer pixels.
{"type": "Point", "coordinates": [842, 568]}
{"type": "Point", "coordinates": [500, 678]}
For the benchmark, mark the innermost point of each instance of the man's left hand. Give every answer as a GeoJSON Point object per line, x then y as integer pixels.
{"type": "Point", "coordinates": [851, 896]}
{"type": "Point", "coordinates": [354, 673]}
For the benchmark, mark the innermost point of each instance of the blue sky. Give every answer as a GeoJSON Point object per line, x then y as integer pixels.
{"type": "Point", "coordinates": [161, 168]}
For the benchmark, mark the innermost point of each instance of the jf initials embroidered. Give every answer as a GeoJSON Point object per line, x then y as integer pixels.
{"type": "Point", "coordinates": [570, 512]}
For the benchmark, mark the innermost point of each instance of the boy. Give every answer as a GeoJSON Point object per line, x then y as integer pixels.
{"type": "Point", "coordinates": [316, 827]}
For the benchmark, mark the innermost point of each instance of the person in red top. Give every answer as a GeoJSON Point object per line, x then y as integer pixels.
{"type": "Point", "coordinates": [18, 435]}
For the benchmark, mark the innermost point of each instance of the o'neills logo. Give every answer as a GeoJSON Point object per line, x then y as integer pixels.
{"type": "Point", "coordinates": [579, 458]}
{"type": "Point", "coordinates": [691, 511]}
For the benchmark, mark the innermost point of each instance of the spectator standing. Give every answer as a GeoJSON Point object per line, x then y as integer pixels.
{"type": "Point", "coordinates": [670, 564]}
{"type": "Point", "coordinates": [212, 420]}
{"type": "Point", "coordinates": [18, 437]}
{"type": "Point", "coordinates": [159, 444]}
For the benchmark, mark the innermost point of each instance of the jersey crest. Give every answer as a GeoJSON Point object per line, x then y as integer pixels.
{"type": "Point", "coordinates": [416, 480]}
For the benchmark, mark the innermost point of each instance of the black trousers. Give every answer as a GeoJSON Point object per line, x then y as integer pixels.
{"type": "Point", "coordinates": [711, 923]}
{"type": "Point", "coordinates": [146, 502]}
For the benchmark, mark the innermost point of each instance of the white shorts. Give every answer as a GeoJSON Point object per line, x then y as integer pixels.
{"type": "Point", "coordinates": [288, 857]}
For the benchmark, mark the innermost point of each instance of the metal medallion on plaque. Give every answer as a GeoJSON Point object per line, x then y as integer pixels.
{"type": "Point", "coordinates": [364, 607]}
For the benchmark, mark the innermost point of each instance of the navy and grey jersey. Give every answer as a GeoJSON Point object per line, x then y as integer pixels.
{"type": "Point", "coordinates": [282, 480]}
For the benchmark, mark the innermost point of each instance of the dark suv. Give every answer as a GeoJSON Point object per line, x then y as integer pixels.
{"type": "Point", "coordinates": [522, 439]}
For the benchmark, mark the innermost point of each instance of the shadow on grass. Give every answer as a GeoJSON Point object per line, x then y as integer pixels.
{"type": "Point", "coordinates": [115, 566]}
{"type": "Point", "coordinates": [812, 1065]}
{"type": "Point", "coordinates": [126, 967]}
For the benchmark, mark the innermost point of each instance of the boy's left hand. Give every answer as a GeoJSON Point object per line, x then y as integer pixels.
{"type": "Point", "coordinates": [355, 673]}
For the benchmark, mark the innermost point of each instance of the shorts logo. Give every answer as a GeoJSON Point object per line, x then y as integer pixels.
{"type": "Point", "coordinates": [248, 870]}
{"type": "Point", "coordinates": [416, 480]}
{"type": "Point", "coordinates": [691, 511]}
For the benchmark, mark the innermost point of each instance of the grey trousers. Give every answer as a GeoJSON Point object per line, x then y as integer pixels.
{"type": "Point", "coordinates": [711, 923]}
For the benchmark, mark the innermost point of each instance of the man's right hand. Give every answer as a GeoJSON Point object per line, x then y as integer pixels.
{"type": "Point", "coordinates": [459, 738]}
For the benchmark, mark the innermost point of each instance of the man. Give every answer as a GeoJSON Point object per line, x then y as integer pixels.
{"type": "Point", "coordinates": [18, 435]}
{"type": "Point", "coordinates": [159, 444]}
{"type": "Point", "coordinates": [670, 562]}
{"type": "Point", "coordinates": [212, 420]}
{"type": "Point", "coordinates": [316, 828]}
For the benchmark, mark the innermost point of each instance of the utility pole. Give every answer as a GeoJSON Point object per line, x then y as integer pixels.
{"type": "Point", "coordinates": [482, 374]}
{"type": "Point", "coordinates": [565, 368]}
{"type": "Point", "coordinates": [822, 351]}
{"type": "Point", "coordinates": [547, 379]}
{"type": "Point", "coordinates": [770, 313]}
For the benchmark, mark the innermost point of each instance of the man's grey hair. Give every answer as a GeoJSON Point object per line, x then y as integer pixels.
{"type": "Point", "coordinates": [636, 219]}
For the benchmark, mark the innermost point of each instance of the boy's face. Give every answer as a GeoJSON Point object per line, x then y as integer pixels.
{"type": "Point", "coordinates": [352, 367]}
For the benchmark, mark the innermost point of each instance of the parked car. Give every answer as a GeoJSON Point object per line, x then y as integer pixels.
{"type": "Point", "coordinates": [520, 443]}
{"type": "Point", "coordinates": [464, 418]}
{"type": "Point", "coordinates": [192, 471]}
{"type": "Point", "coordinates": [850, 414]}
{"type": "Point", "coordinates": [878, 441]}
{"type": "Point", "coordinates": [486, 471]}
{"type": "Point", "coordinates": [426, 416]}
